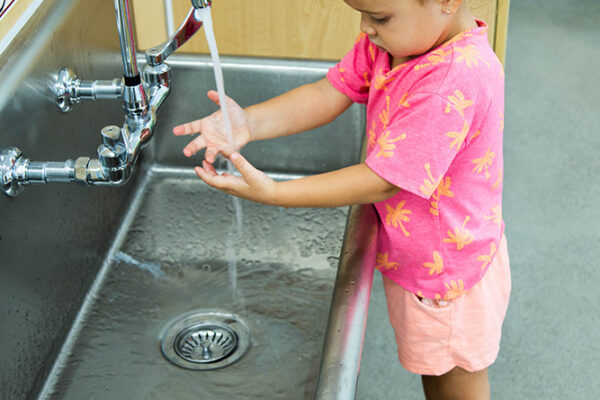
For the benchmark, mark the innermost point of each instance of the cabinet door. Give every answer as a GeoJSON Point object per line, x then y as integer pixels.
{"type": "Point", "coordinates": [314, 29]}
{"type": "Point", "coordinates": [265, 28]}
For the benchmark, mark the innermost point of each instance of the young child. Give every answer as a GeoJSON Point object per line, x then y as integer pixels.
{"type": "Point", "coordinates": [434, 94]}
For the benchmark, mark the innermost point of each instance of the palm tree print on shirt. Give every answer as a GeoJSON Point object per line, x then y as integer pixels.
{"type": "Point", "coordinates": [437, 57]}
{"type": "Point", "coordinates": [497, 183]}
{"type": "Point", "coordinates": [387, 145]}
{"type": "Point", "coordinates": [470, 55]}
{"type": "Point", "coordinates": [383, 263]}
{"type": "Point", "coordinates": [458, 102]}
{"type": "Point", "coordinates": [381, 81]}
{"type": "Point", "coordinates": [487, 258]}
{"type": "Point", "coordinates": [496, 216]}
{"type": "Point", "coordinates": [461, 236]}
{"type": "Point", "coordinates": [429, 185]}
{"type": "Point", "coordinates": [396, 216]}
{"type": "Point", "coordinates": [455, 289]}
{"type": "Point", "coordinates": [404, 100]}
{"type": "Point", "coordinates": [459, 137]}
{"type": "Point", "coordinates": [484, 163]}
{"type": "Point", "coordinates": [372, 135]}
{"type": "Point", "coordinates": [437, 266]}
{"type": "Point", "coordinates": [384, 141]}
{"type": "Point", "coordinates": [443, 189]}
{"type": "Point", "coordinates": [384, 116]}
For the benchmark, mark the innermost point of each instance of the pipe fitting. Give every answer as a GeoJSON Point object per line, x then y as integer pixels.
{"type": "Point", "coordinates": [9, 165]}
{"type": "Point", "coordinates": [65, 89]}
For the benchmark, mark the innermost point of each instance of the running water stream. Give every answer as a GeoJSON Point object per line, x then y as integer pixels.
{"type": "Point", "coordinates": [204, 15]}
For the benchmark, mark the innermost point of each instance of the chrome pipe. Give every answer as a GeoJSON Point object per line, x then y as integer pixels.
{"type": "Point", "coordinates": [121, 146]}
{"type": "Point", "coordinates": [50, 171]}
{"type": "Point", "coordinates": [97, 90]}
{"type": "Point", "coordinates": [126, 38]}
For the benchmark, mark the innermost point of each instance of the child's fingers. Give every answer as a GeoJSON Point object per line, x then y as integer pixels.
{"type": "Point", "coordinates": [188, 128]}
{"type": "Point", "coordinates": [210, 176]}
{"type": "Point", "coordinates": [211, 154]}
{"type": "Point", "coordinates": [194, 146]}
{"type": "Point", "coordinates": [209, 168]}
{"type": "Point", "coordinates": [207, 173]}
{"type": "Point", "coordinates": [214, 97]}
{"type": "Point", "coordinates": [202, 174]}
{"type": "Point", "coordinates": [242, 165]}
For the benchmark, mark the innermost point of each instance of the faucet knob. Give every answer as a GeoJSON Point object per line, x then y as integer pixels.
{"type": "Point", "coordinates": [12, 167]}
{"type": "Point", "coordinates": [65, 88]}
{"type": "Point", "coordinates": [111, 135]}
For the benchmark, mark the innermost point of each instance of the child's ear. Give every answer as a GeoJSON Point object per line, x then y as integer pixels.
{"type": "Point", "coordinates": [449, 7]}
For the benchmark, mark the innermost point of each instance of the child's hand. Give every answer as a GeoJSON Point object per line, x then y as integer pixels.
{"type": "Point", "coordinates": [252, 185]}
{"type": "Point", "coordinates": [212, 131]}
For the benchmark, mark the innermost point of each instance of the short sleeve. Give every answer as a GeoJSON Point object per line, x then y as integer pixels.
{"type": "Point", "coordinates": [415, 151]}
{"type": "Point", "coordinates": [352, 75]}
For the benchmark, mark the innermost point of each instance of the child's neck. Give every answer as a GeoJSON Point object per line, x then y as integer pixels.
{"type": "Point", "coordinates": [464, 21]}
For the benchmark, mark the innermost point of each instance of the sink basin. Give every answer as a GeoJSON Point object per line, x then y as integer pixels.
{"type": "Point", "coordinates": [92, 278]}
{"type": "Point", "coordinates": [172, 257]}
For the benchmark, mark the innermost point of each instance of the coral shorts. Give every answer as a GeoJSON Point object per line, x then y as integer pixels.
{"type": "Point", "coordinates": [465, 332]}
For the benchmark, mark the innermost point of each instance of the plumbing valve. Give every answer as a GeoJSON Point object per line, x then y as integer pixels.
{"type": "Point", "coordinates": [111, 135]}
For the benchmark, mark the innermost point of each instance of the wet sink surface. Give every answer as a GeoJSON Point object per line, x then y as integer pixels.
{"type": "Point", "coordinates": [175, 257]}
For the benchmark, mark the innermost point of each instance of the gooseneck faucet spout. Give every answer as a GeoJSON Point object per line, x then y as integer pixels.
{"type": "Point", "coordinates": [126, 38]}
{"type": "Point", "coordinates": [135, 102]}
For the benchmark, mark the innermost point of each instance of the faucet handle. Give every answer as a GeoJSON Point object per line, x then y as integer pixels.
{"type": "Point", "coordinates": [11, 170]}
{"type": "Point", "coordinates": [158, 54]}
{"type": "Point", "coordinates": [201, 3]}
{"type": "Point", "coordinates": [111, 135]}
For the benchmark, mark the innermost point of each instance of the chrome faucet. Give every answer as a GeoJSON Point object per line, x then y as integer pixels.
{"type": "Point", "coordinates": [142, 97]}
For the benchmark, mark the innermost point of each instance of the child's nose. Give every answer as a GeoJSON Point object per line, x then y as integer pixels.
{"type": "Point", "coordinates": [365, 26]}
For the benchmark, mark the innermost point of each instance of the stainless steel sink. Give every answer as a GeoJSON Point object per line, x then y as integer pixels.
{"type": "Point", "coordinates": [91, 278]}
{"type": "Point", "coordinates": [172, 258]}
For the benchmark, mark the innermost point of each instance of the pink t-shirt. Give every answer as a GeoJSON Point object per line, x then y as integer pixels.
{"type": "Point", "coordinates": [434, 129]}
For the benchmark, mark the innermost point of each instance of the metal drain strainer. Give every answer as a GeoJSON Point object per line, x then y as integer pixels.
{"type": "Point", "coordinates": [206, 343]}
{"type": "Point", "coordinates": [204, 340]}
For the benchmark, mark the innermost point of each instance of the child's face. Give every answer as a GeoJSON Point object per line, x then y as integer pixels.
{"type": "Point", "coordinates": [404, 28]}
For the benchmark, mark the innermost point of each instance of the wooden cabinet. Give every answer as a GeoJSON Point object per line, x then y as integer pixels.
{"type": "Point", "coordinates": [11, 15]}
{"type": "Point", "coordinates": [313, 29]}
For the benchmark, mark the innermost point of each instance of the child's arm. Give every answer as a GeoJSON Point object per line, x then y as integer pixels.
{"type": "Point", "coordinates": [301, 109]}
{"type": "Point", "coordinates": [298, 110]}
{"type": "Point", "coordinates": [356, 184]}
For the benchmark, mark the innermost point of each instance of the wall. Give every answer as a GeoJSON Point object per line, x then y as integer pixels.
{"type": "Point", "coordinates": [286, 28]}
{"type": "Point", "coordinates": [12, 15]}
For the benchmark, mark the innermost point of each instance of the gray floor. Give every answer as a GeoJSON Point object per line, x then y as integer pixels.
{"type": "Point", "coordinates": [551, 337]}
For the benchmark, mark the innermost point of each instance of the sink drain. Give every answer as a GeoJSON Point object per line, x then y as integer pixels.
{"type": "Point", "coordinates": [206, 343]}
{"type": "Point", "coordinates": [205, 340]}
